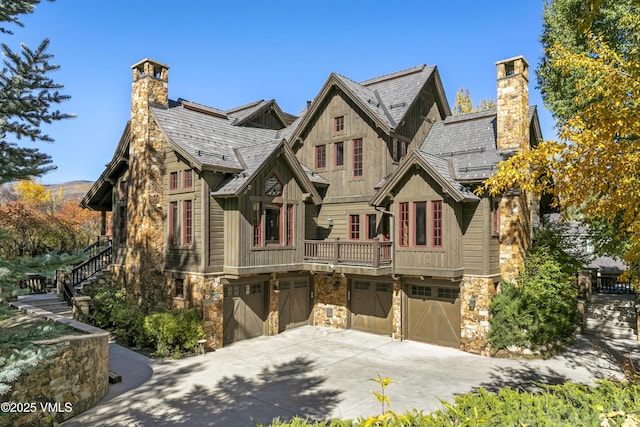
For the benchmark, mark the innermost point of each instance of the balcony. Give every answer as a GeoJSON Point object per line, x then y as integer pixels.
{"type": "Point", "coordinates": [343, 256]}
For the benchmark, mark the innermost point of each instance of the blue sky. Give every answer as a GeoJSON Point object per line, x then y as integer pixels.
{"type": "Point", "coordinates": [226, 54]}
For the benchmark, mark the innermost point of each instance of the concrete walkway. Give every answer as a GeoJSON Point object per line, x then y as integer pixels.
{"type": "Point", "coordinates": [319, 373]}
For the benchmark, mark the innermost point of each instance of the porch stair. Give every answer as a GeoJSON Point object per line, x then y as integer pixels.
{"type": "Point", "coordinates": [48, 302]}
{"type": "Point", "coordinates": [612, 316]}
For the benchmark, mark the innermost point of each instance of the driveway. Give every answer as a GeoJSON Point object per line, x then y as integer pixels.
{"type": "Point", "coordinates": [318, 373]}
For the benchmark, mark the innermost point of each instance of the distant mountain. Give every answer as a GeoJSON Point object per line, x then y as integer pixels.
{"type": "Point", "coordinates": [71, 189]}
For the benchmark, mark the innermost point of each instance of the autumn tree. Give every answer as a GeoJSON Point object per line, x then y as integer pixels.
{"type": "Point", "coordinates": [593, 90]}
{"type": "Point", "coordinates": [464, 104]}
{"type": "Point", "coordinates": [27, 98]}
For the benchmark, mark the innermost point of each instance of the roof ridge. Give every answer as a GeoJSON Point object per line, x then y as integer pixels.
{"type": "Point", "coordinates": [245, 106]}
{"type": "Point", "coordinates": [201, 108]}
{"type": "Point", "coordinates": [393, 75]}
{"type": "Point", "coordinates": [470, 116]}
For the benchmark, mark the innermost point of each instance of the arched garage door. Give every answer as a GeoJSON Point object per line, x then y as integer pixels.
{"type": "Point", "coordinates": [433, 314]}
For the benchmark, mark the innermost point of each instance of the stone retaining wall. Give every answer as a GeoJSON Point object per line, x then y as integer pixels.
{"type": "Point", "coordinates": [66, 384]}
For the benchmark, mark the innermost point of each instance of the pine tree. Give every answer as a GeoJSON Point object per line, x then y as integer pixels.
{"type": "Point", "coordinates": [27, 99]}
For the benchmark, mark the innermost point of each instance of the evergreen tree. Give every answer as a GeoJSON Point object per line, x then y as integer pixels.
{"type": "Point", "coordinates": [27, 99]}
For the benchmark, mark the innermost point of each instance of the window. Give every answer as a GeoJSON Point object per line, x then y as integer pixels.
{"type": "Point", "coordinates": [357, 158]}
{"type": "Point", "coordinates": [449, 293]}
{"type": "Point", "coordinates": [436, 218]}
{"type": "Point", "coordinates": [173, 181]}
{"type": "Point", "coordinates": [400, 149]}
{"type": "Point", "coordinates": [272, 224]}
{"type": "Point", "coordinates": [188, 178]}
{"type": "Point", "coordinates": [187, 213]}
{"type": "Point", "coordinates": [179, 288]}
{"type": "Point", "coordinates": [354, 227]}
{"type": "Point", "coordinates": [290, 223]}
{"type": "Point", "coordinates": [321, 156]}
{"type": "Point", "coordinates": [420, 291]}
{"type": "Point", "coordinates": [371, 226]}
{"type": "Point", "coordinates": [254, 289]}
{"type": "Point", "coordinates": [173, 223]}
{"type": "Point", "coordinates": [383, 287]}
{"type": "Point", "coordinates": [257, 224]}
{"type": "Point", "coordinates": [122, 190]}
{"type": "Point", "coordinates": [361, 286]}
{"type": "Point", "coordinates": [339, 154]}
{"type": "Point", "coordinates": [420, 210]}
{"type": "Point", "coordinates": [404, 224]}
{"type": "Point", "coordinates": [273, 186]}
{"type": "Point", "coordinates": [338, 124]}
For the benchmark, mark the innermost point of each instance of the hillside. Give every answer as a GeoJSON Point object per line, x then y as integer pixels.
{"type": "Point", "coordinates": [71, 189]}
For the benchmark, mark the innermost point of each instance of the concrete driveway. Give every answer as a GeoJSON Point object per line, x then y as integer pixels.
{"type": "Point", "coordinates": [318, 373]}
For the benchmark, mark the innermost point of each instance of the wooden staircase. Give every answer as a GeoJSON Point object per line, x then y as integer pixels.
{"type": "Point", "coordinates": [48, 302]}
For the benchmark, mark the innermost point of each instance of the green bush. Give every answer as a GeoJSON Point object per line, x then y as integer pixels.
{"type": "Point", "coordinates": [539, 310]}
{"type": "Point", "coordinates": [174, 331]}
{"type": "Point", "coordinates": [609, 403]}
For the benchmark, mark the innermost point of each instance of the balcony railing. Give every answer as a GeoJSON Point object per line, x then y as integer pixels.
{"type": "Point", "coordinates": [372, 253]}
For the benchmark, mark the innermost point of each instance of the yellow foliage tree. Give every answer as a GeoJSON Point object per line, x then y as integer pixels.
{"type": "Point", "coordinates": [595, 164]}
{"type": "Point", "coordinates": [30, 191]}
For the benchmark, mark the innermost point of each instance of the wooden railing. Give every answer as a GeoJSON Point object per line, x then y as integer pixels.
{"type": "Point", "coordinates": [88, 268]}
{"type": "Point", "coordinates": [372, 253]}
{"type": "Point", "coordinates": [37, 284]}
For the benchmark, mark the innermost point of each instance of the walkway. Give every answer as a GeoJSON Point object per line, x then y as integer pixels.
{"type": "Point", "coordinates": [319, 373]}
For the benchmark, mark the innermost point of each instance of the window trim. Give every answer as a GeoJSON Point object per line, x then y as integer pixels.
{"type": "Point", "coordinates": [187, 179]}
{"type": "Point", "coordinates": [354, 227]}
{"type": "Point", "coordinates": [173, 181]}
{"type": "Point", "coordinates": [290, 225]}
{"type": "Point", "coordinates": [257, 226]}
{"type": "Point", "coordinates": [187, 221]}
{"type": "Point", "coordinates": [436, 224]}
{"type": "Point", "coordinates": [415, 225]}
{"type": "Point", "coordinates": [174, 231]}
{"type": "Point", "coordinates": [338, 124]}
{"type": "Point", "coordinates": [321, 149]}
{"type": "Point", "coordinates": [357, 149]}
{"type": "Point", "coordinates": [403, 218]}
{"type": "Point", "coordinates": [335, 154]}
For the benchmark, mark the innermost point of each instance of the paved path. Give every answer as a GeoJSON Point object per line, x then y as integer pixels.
{"type": "Point", "coordinates": [319, 373]}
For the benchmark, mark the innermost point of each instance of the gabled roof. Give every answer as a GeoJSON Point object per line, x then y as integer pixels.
{"type": "Point", "coordinates": [242, 115]}
{"type": "Point", "coordinates": [385, 99]}
{"type": "Point", "coordinates": [470, 142]}
{"type": "Point", "coordinates": [99, 195]}
{"type": "Point", "coordinates": [439, 169]}
{"type": "Point", "coordinates": [255, 158]}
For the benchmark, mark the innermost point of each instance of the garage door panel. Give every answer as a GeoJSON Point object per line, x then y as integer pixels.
{"type": "Point", "coordinates": [244, 312]}
{"type": "Point", "coordinates": [431, 319]}
{"type": "Point", "coordinates": [293, 304]}
{"type": "Point", "coordinates": [371, 307]}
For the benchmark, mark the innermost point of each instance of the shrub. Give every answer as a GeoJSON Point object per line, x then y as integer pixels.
{"type": "Point", "coordinates": [540, 309]}
{"type": "Point", "coordinates": [174, 331]}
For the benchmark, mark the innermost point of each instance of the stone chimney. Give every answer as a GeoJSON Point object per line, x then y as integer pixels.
{"type": "Point", "coordinates": [145, 240]}
{"type": "Point", "coordinates": [513, 104]}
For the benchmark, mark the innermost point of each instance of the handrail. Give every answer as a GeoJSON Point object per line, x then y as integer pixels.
{"type": "Point", "coordinates": [374, 253]}
{"type": "Point", "coordinates": [88, 268]}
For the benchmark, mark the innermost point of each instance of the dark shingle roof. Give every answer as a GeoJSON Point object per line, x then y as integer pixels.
{"type": "Point", "coordinates": [469, 141]}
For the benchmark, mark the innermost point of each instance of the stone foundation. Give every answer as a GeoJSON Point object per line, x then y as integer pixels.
{"type": "Point", "coordinates": [330, 301]}
{"type": "Point", "coordinates": [66, 384]}
{"type": "Point", "coordinates": [474, 321]}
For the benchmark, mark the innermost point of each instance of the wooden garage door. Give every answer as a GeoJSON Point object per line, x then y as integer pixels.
{"type": "Point", "coordinates": [293, 304]}
{"type": "Point", "coordinates": [371, 307]}
{"type": "Point", "coordinates": [433, 315]}
{"type": "Point", "coordinates": [244, 311]}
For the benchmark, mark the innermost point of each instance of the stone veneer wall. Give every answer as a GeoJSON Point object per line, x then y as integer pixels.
{"type": "Point", "coordinates": [515, 233]}
{"type": "Point", "coordinates": [330, 305]}
{"type": "Point", "coordinates": [474, 322]}
{"type": "Point", "coordinates": [396, 307]}
{"type": "Point", "coordinates": [145, 227]}
{"type": "Point", "coordinates": [76, 375]}
{"type": "Point", "coordinates": [204, 294]}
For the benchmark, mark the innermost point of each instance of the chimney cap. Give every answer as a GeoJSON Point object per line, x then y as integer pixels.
{"type": "Point", "coordinates": [145, 60]}
{"type": "Point", "coordinates": [513, 59]}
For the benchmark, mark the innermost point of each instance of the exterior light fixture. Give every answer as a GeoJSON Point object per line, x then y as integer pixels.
{"type": "Point", "coordinates": [472, 302]}
{"type": "Point", "coordinates": [330, 221]}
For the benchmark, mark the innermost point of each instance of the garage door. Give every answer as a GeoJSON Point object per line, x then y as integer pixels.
{"type": "Point", "coordinates": [433, 314]}
{"type": "Point", "coordinates": [293, 304]}
{"type": "Point", "coordinates": [244, 311]}
{"type": "Point", "coordinates": [371, 307]}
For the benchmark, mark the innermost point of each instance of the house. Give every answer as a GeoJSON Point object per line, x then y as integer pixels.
{"type": "Point", "coordinates": [359, 213]}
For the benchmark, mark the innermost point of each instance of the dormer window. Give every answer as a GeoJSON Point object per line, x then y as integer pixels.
{"type": "Point", "coordinates": [273, 186]}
